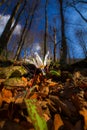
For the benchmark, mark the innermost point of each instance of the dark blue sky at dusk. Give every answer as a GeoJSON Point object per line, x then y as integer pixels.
{"type": "Point", "coordinates": [73, 22]}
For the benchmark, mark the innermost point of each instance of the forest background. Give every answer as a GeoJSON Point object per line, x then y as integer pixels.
{"type": "Point", "coordinates": [57, 26]}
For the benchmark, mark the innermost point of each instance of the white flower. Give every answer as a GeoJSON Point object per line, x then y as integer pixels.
{"type": "Point", "coordinates": [38, 62]}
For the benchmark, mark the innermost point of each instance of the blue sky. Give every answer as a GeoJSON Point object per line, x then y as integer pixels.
{"type": "Point", "coordinates": [72, 22]}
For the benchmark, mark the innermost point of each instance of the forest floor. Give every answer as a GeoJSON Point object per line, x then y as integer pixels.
{"type": "Point", "coordinates": [63, 99]}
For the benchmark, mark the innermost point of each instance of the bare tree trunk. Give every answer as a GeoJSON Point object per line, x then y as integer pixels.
{"type": "Point", "coordinates": [63, 58]}
{"type": "Point", "coordinates": [20, 42]}
{"type": "Point", "coordinates": [55, 44]}
{"type": "Point", "coordinates": [46, 29]}
{"type": "Point", "coordinates": [5, 36]}
{"type": "Point", "coordinates": [25, 31]}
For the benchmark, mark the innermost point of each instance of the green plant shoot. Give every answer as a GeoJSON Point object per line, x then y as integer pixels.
{"type": "Point", "coordinates": [56, 73]}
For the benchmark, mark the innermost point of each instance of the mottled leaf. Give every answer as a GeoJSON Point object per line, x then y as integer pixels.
{"type": "Point", "coordinates": [35, 113]}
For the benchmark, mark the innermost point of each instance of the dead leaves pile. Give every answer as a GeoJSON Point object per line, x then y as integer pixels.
{"type": "Point", "coordinates": [64, 105]}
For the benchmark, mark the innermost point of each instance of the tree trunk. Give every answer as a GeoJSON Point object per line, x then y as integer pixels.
{"type": "Point", "coordinates": [20, 43]}
{"type": "Point", "coordinates": [5, 36]}
{"type": "Point", "coordinates": [63, 56]}
{"type": "Point", "coordinates": [55, 43]}
{"type": "Point", "coordinates": [46, 29]}
{"type": "Point", "coordinates": [25, 31]}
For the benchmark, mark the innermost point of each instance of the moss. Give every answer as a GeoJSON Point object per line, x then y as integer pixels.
{"type": "Point", "coordinates": [12, 71]}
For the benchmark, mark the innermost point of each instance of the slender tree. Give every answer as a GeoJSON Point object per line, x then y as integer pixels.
{"type": "Point", "coordinates": [63, 55]}
{"type": "Point", "coordinates": [53, 39]}
{"type": "Point", "coordinates": [7, 33]}
{"type": "Point", "coordinates": [46, 28]}
{"type": "Point", "coordinates": [21, 41]}
{"type": "Point", "coordinates": [55, 43]}
{"type": "Point", "coordinates": [26, 29]}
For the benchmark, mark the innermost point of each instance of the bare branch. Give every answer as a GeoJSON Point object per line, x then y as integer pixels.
{"type": "Point", "coordinates": [80, 1]}
{"type": "Point", "coordinates": [80, 14]}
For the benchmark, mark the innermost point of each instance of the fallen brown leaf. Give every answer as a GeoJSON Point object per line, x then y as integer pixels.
{"type": "Point", "coordinates": [17, 120]}
{"type": "Point", "coordinates": [2, 80]}
{"type": "Point", "coordinates": [83, 112]}
{"type": "Point", "coordinates": [58, 123]}
{"type": "Point", "coordinates": [61, 104]}
{"type": "Point", "coordinates": [34, 96]}
{"type": "Point", "coordinates": [19, 100]}
{"type": "Point", "coordinates": [30, 83]}
{"type": "Point", "coordinates": [51, 83]}
{"type": "Point", "coordinates": [2, 124]}
{"type": "Point", "coordinates": [7, 95]}
{"type": "Point", "coordinates": [46, 117]}
{"type": "Point", "coordinates": [38, 79]}
{"type": "Point", "coordinates": [24, 79]}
